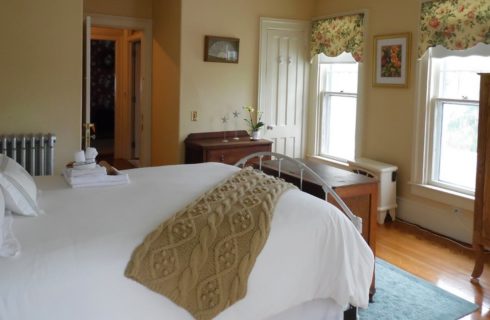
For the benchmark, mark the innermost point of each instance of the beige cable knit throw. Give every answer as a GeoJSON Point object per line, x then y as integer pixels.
{"type": "Point", "coordinates": [201, 258]}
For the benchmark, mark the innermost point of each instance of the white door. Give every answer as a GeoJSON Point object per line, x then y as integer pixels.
{"type": "Point", "coordinates": [283, 77]}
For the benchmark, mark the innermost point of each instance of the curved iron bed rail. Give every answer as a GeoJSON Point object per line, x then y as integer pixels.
{"type": "Point", "coordinates": [357, 221]}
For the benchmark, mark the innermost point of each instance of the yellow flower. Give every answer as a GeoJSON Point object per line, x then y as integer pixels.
{"type": "Point", "coordinates": [249, 109]}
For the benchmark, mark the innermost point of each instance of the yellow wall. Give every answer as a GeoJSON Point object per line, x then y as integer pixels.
{"type": "Point", "coordinates": [166, 81]}
{"type": "Point", "coordinates": [41, 73]}
{"type": "Point", "coordinates": [125, 8]}
{"type": "Point", "coordinates": [389, 113]}
{"type": "Point", "coordinates": [217, 89]}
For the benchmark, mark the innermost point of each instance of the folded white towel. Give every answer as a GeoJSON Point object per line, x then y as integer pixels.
{"type": "Point", "coordinates": [99, 184]}
{"type": "Point", "coordinates": [73, 172]}
{"type": "Point", "coordinates": [87, 164]}
{"type": "Point", "coordinates": [97, 180]}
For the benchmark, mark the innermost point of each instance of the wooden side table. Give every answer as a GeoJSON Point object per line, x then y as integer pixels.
{"type": "Point", "coordinates": [211, 147]}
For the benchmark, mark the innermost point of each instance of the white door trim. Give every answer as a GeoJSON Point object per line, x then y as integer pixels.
{"type": "Point", "coordinates": [145, 25]}
{"type": "Point", "coordinates": [86, 81]}
{"type": "Point", "coordinates": [282, 24]}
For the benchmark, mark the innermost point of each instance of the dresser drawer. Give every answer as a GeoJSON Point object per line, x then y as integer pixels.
{"type": "Point", "coordinates": [211, 147]}
{"type": "Point", "coordinates": [232, 155]}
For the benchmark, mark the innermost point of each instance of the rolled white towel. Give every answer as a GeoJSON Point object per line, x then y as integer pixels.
{"type": "Point", "coordinates": [79, 156]}
{"type": "Point", "coordinates": [90, 154]}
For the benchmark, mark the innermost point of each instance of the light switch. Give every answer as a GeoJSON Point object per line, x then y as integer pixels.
{"type": "Point", "coordinates": [194, 116]}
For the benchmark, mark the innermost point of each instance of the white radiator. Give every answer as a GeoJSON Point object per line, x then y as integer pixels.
{"type": "Point", "coordinates": [35, 152]}
{"type": "Point", "coordinates": [386, 175]}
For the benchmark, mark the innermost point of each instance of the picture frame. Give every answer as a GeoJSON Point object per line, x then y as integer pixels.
{"type": "Point", "coordinates": [391, 60]}
{"type": "Point", "coordinates": [221, 49]}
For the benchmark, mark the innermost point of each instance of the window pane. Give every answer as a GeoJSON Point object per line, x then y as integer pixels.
{"type": "Point", "coordinates": [338, 127]}
{"type": "Point", "coordinates": [458, 129]}
{"type": "Point", "coordinates": [340, 77]}
{"type": "Point", "coordinates": [459, 76]}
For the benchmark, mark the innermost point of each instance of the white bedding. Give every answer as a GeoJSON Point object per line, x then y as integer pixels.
{"type": "Point", "coordinates": [73, 258]}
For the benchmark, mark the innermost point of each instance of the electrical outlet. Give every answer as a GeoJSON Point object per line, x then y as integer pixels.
{"type": "Point", "coordinates": [194, 116]}
{"type": "Point", "coordinates": [456, 210]}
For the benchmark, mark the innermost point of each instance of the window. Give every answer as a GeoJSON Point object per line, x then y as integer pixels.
{"type": "Point", "coordinates": [455, 122]}
{"type": "Point", "coordinates": [445, 155]}
{"type": "Point", "coordinates": [337, 107]}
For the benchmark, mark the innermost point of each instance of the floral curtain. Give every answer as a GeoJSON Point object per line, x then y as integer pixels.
{"type": "Point", "coordinates": [454, 24]}
{"type": "Point", "coordinates": [332, 36]}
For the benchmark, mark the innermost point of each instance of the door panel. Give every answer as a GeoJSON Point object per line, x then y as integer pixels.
{"type": "Point", "coordinates": [282, 84]}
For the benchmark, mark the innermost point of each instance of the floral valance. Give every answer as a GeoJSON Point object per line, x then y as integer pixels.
{"type": "Point", "coordinates": [454, 24]}
{"type": "Point", "coordinates": [332, 36]}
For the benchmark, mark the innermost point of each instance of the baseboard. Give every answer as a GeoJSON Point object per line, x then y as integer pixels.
{"type": "Point", "coordinates": [458, 226]}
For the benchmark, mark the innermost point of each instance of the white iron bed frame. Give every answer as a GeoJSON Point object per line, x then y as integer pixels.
{"type": "Point", "coordinates": [351, 312]}
{"type": "Point", "coordinates": [357, 221]}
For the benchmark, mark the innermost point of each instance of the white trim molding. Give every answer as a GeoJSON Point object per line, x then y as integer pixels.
{"type": "Point", "coordinates": [454, 199]}
{"type": "Point", "coordinates": [455, 224]}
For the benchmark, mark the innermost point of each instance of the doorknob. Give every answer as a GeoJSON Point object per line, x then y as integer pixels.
{"type": "Point", "coordinates": [270, 127]}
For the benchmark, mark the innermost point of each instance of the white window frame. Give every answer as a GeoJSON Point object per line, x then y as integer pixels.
{"type": "Point", "coordinates": [422, 183]}
{"type": "Point", "coordinates": [318, 96]}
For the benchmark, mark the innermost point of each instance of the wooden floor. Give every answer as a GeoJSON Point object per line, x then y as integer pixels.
{"type": "Point", "coordinates": [442, 262]}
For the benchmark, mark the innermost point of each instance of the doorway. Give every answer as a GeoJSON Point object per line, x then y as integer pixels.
{"type": "Point", "coordinates": [114, 94]}
{"type": "Point", "coordinates": [117, 89]}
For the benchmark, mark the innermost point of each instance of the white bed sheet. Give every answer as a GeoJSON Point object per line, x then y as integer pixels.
{"type": "Point", "coordinates": [73, 257]}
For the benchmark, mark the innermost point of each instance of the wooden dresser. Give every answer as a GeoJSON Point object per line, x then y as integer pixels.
{"type": "Point", "coordinates": [481, 226]}
{"type": "Point", "coordinates": [211, 147]}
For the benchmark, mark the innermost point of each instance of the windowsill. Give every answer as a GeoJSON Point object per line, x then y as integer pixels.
{"type": "Point", "coordinates": [452, 198]}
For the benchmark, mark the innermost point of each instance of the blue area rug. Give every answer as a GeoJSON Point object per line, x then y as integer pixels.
{"type": "Point", "coordinates": [402, 296]}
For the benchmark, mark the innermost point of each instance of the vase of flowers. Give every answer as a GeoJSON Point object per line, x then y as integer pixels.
{"type": "Point", "coordinates": [254, 125]}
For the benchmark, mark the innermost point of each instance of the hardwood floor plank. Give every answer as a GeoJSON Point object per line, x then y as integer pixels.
{"type": "Point", "coordinates": [441, 261]}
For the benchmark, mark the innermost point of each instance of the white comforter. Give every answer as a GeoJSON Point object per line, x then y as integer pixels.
{"type": "Point", "coordinates": [73, 257]}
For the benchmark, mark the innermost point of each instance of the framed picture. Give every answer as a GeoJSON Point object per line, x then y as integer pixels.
{"type": "Point", "coordinates": [391, 60]}
{"type": "Point", "coordinates": [221, 49]}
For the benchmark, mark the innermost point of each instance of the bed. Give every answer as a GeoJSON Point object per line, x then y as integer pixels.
{"type": "Point", "coordinates": [71, 266]}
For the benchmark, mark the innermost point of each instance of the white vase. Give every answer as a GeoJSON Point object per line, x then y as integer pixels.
{"type": "Point", "coordinates": [255, 135]}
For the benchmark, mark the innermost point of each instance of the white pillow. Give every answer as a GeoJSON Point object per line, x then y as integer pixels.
{"type": "Point", "coordinates": [9, 246]}
{"type": "Point", "coordinates": [19, 189]}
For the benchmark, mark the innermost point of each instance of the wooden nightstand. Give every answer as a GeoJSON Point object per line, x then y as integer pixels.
{"type": "Point", "coordinates": [210, 147]}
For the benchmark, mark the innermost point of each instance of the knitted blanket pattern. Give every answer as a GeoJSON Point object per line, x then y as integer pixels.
{"type": "Point", "coordinates": [201, 257]}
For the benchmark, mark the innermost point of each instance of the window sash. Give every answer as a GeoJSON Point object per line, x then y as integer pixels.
{"type": "Point", "coordinates": [434, 163]}
{"type": "Point", "coordinates": [325, 114]}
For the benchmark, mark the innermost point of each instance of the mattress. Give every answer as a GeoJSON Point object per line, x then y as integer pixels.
{"type": "Point", "coordinates": [73, 257]}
